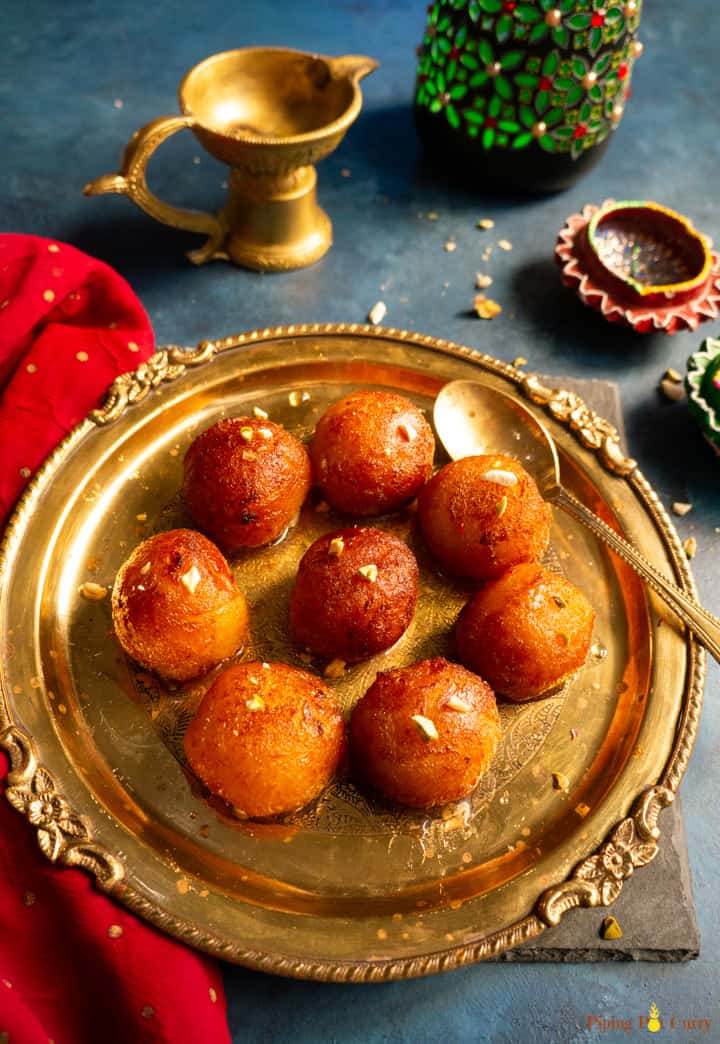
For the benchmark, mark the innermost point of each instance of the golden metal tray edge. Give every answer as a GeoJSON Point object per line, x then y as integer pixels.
{"type": "Point", "coordinates": [67, 838]}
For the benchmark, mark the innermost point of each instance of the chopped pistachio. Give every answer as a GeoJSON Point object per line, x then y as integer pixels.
{"type": "Point", "coordinates": [610, 929]}
{"type": "Point", "coordinates": [456, 704]}
{"type": "Point", "coordinates": [486, 223]}
{"type": "Point", "coordinates": [673, 375]}
{"type": "Point", "coordinates": [246, 433]}
{"type": "Point", "coordinates": [680, 508]}
{"type": "Point", "coordinates": [425, 727]}
{"type": "Point", "coordinates": [519, 360]}
{"type": "Point", "coordinates": [501, 506]}
{"type": "Point", "coordinates": [690, 547]}
{"type": "Point", "coordinates": [191, 579]}
{"type": "Point", "coordinates": [259, 413]}
{"type": "Point", "coordinates": [501, 477]}
{"type": "Point", "coordinates": [370, 572]}
{"type": "Point", "coordinates": [255, 703]}
{"type": "Point", "coordinates": [560, 781]}
{"type": "Point", "coordinates": [485, 307]}
{"type": "Point", "coordinates": [93, 592]}
{"type": "Point", "coordinates": [407, 431]}
{"type": "Point", "coordinates": [377, 313]}
{"type": "Point", "coordinates": [335, 669]}
{"type": "Point", "coordinates": [336, 547]}
{"type": "Point", "coordinates": [482, 281]}
{"type": "Point", "coordinates": [672, 390]}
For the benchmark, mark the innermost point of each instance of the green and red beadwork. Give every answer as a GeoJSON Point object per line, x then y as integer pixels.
{"type": "Point", "coordinates": [506, 74]}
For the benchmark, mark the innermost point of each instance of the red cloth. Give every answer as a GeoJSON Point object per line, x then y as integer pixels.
{"type": "Point", "coordinates": [74, 967]}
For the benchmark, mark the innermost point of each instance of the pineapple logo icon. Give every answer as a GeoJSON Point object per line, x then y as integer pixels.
{"type": "Point", "coordinates": [654, 1024]}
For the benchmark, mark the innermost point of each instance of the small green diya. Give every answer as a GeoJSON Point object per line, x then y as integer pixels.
{"type": "Point", "coordinates": [640, 264]}
{"type": "Point", "coordinates": [703, 388]}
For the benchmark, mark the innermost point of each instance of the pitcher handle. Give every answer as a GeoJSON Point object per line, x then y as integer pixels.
{"type": "Point", "coordinates": [131, 182]}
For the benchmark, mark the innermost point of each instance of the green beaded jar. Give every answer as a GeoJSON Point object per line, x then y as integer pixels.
{"type": "Point", "coordinates": [702, 384]}
{"type": "Point", "coordinates": [524, 94]}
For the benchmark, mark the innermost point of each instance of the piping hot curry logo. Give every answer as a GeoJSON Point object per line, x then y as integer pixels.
{"type": "Point", "coordinates": [653, 1022]}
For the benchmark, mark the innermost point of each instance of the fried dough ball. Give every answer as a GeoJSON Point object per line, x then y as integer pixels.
{"type": "Point", "coordinates": [526, 632]}
{"type": "Point", "coordinates": [424, 735]}
{"type": "Point", "coordinates": [482, 514]}
{"type": "Point", "coordinates": [266, 738]}
{"type": "Point", "coordinates": [175, 606]}
{"type": "Point", "coordinates": [354, 595]}
{"type": "Point", "coordinates": [245, 481]}
{"type": "Point", "coordinates": [371, 452]}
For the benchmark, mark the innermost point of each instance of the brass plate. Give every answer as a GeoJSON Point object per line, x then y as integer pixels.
{"type": "Point", "coordinates": [348, 889]}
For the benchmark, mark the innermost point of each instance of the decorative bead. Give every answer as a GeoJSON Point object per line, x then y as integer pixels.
{"type": "Point", "coordinates": [617, 112]}
{"type": "Point", "coordinates": [545, 83]}
{"type": "Point", "coordinates": [622, 71]}
{"type": "Point", "coordinates": [637, 48]}
{"type": "Point", "coordinates": [580, 131]}
{"type": "Point", "coordinates": [589, 80]}
{"type": "Point", "coordinates": [597, 19]}
{"type": "Point", "coordinates": [444, 98]}
{"type": "Point", "coordinates": [554, 17]}
{"type": "Point", "coordinates": [494, 69]}
{"type": "Point", "coordinates": [539, 129]}
{"type": "Point", "coordinates": [630, 8]}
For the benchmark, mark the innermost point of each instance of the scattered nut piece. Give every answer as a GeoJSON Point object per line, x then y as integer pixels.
{"type": "Point", "coordinates": [486, 223]}
{"type": "Point", "coordinates": [519, 360]}
{"type": "Point", "coordinates": [377, 313]}
{"type": "Point", "coordinates": [249, 455]}
{"type": "Point", "coordinates": [259, 413]}
{"type": "Point", "coordinates": [92, 591]}
{"type": "Point", "coordinates": [672, 390]}
{"type": "Point", "coordinates": [559, 602]}
{"type": "Point", "coordinates": [407, 431]}
{"type": "Point", "coordinates": [610, 929]}
{"type": "Point", "coordinates": [191, 579]}
{"type": "Point", "coordinates": [432, 215]}
{"type": "Point", "coordinates": [425, 727]}
{"type": "Point", "coordinates": [680, 508]}
{"type": "Point", "coordinates": [505, 244]}
{"type": "Point", "coordinates": [246, 433]}
{"type": "Point", "coordinates": [115, 931]}
{"type": "Point", "coordinates": [337, 546]}
{"type": "Point", "coordinates": [482, 281]}
{"type": "Point", "coordinates": [502, 478]}
{"type": "Point", "coordinates": [560, 782]}
{"type": "Point", "coordinates": [673, 375]}
{"type": "Point", "coordinates": [255, 703]}
{"type": "Point", "coordinates": [335, 669]}
{"type": "Point", "coordinates": [370, 572]}
{"type": "Point", "coordinates": [450, 245]}
{"type": "Point", "coordinates": [690, 547]}
{"type": "Point", "coordinates": [501, 506]}
{"type": "Point", "coordinates": [456, 704]}
{"type": "Point", "coordinates": [485, 307]}
{"type": "Point", "coordinates": [265, 432]}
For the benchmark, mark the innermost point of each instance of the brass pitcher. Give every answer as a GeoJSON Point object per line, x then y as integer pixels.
{"type": "Point", "coordinates": [271, 114]}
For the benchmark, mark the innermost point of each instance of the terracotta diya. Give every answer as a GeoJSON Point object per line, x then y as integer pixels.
{"type": "Point", "coordinates": [640, 264]}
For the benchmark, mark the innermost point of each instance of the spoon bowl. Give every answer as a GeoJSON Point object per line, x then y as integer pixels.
{"type": "Point", "coordinates": [472, 418]}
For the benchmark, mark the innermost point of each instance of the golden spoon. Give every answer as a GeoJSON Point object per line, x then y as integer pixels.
{"type": "Point", "coordinates": [473, 418]}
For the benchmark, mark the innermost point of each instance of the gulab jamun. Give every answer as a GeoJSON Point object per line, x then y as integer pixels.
{"type": "Point", "coordinates": [526, 632]}
{"type": "Point", "coordinates": [423, 735]}
{"type": "Point", "coordinates": [267, 738]}
{"type": "Point", "coordinates": [482, 514]}
{"type": "Point", "coordinates": [371, 452]}
{"type": "Point", "coordinates": [245, 480]}
{"type": "Point", "coordinates": [354, 595]}
{"type": "Point", "coordinates": [175, 606]}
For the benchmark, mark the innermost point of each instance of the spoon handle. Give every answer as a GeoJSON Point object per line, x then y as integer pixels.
{"type": "Point", "coordinates": [704, 626]}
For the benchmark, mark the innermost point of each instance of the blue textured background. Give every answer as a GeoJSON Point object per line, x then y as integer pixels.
{"type": "Point", "coordinates": [64, 65]}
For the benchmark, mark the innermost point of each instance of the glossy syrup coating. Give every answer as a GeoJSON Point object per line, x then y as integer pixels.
{"type": "Point", "coordinates": [354, 595]}
{"type": "Point", "coordinates": [371, 453]}
{"type": "Point", "coordinates": [526, 632]}
{"type": "Point", "coordinates": [267, 738]}
{"type": "Point", "coordinates": [482, 514]}
{"type": "Point", "coordinates": [245, 481]}
{"type": "Point", "coordinates": [423, 735]}
{"type": "Point", "coordinates": [175, 606]}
